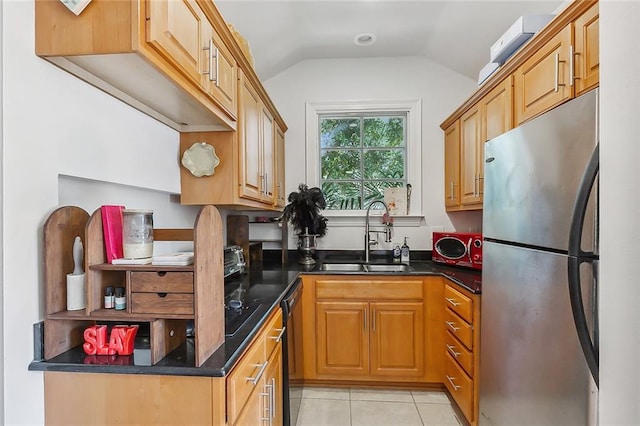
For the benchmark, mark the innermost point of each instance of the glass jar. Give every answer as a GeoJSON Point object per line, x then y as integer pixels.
{"type": "Point", "coordinates": [137, 233]}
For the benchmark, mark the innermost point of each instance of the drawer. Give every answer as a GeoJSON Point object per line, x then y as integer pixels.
{"type": "Point", "coordinates": [245, 377]}
{"type": "Point", "coordinates": [162, 303]}
{"type": "Point", "coordinates": [369, 289]}
{"type": "Point", "coordinates": [273, 332]}
{"type": "Point", "coordinates": [459, 328]}
{"type": "Point", "coordinates": [460, 386]}
{"type": "Point", "coordinates": [161, 282]}
{"type": "Point", "coordinates": [459, 303]}
{"type": "Point", "coordinates": [459, 352]}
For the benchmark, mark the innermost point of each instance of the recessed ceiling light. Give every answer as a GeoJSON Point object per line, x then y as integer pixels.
{"type": "Point", "coordinates": [364, 39]}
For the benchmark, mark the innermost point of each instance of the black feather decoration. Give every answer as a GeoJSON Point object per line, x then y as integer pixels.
{"type": "Point", "coordinates": [303, 211]}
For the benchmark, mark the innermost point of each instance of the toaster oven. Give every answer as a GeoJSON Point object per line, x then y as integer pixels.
{"type": "Point", "coordinates": [233, 261]}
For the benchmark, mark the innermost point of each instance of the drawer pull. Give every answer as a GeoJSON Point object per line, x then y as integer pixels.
{"type": "Point", "coordinates": [161, 273]}
{"type": "Point", "coordinates": [452, 301]}
{"type": "Point", "coordinates": [254, 380]}
{"type": "Point", "coordinates": [450, 379]}
{"type": "Point", "coordinates": [452, 350]}
{"type": "Point", "coordinates": [162, 295]}
{"type": "Point", "coordinates": [279, 336]}
{"type": "Point", "coordinates": [452, 325]}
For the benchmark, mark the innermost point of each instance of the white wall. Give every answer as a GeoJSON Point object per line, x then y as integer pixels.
{"type": "Point", "coordinates": [619, 213]}
{"type": "Point", "coordinates": [335, 80]}
{"type": "Point", "coordinates": [53, 124]}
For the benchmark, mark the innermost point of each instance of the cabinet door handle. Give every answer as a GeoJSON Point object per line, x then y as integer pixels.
{"type": "Point", "coordinates": [364, 316]}
{"type": "Point", "coordinates": [452, 301]}
{"type": "Point", "coordinates": [452, 325]}
{"type": "Point", "coordinates": [266, 407]}
{"type": "Point", "coordinates": [273, 397]}
{"type": "Point", "coordinates": [451, 379]}
{"type": "Point", "coordinates": [452, 350]}
{"type": "Point", "coordinates": [279, 336]}
{"type": "Point", "coordinates": [373, 320]}
{"type": "Point", "coordinates": [557, 76]}
{"type": "Point", "coordinates": [480, 185]}
{"type": "Point", "coordinates": [270, 395]}
{"type": "Point", "coordinates": [571, 65]}
{"type": "Point", "coordinates": [254, 380]}
{"type": "Point", "coordinates": [213, 55]}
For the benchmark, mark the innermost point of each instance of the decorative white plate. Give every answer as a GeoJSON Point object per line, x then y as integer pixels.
{"type": "Point", "coordinates": [200, 159]}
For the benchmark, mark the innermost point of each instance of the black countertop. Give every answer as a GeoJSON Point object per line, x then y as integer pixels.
{"type": "Point", "coordinates": [267, 283]}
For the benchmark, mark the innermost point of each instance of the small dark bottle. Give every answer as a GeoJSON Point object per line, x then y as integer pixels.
{"type": "Point", "coordinates": [121, 299]}
{"type": "Point", "coordinates": [109, 298]}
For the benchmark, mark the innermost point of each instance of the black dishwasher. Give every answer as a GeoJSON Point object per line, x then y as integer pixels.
{"type": "Point", "coordinates": [291, 358]}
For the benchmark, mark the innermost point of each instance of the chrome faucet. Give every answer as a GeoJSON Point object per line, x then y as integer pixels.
{"type": "Point", "coordinates": [367, 233]}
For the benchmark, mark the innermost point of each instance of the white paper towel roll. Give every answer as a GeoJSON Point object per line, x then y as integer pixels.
{"type": "Point", "coordinates": [75, 292]}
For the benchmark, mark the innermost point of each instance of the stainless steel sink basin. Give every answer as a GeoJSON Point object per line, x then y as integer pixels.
{"type": "Point", "coordinates": [366, 267]}
{"type": "Point", "coordinates": [342, 267]}
{"type": "Point", "coordinates": [372, 267]}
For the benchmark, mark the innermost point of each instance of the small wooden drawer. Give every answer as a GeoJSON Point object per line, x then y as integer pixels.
{"type": "Point", "coordinates": [459, 352]}
{"type": "Point", "coordinates": [273, 332]}
{"type": "Point", "coordinates": [245, 377]}
{"type": "Point", "coordinates": [459, 303]}
{"type": "Point", "coordinates": [162, 303]}
{"type": "Point", "coordinates": [411, 289]}
{"type": "Point", "coordinates": [459, 328]}
{"type": "Point", "coordinates": [460, 387]}
{"type": "Point", "coordinates": [161, 282]}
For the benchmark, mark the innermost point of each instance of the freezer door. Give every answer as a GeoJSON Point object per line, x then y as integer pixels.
{"type": "Point", "coordinates": [532, 370]}
{"type": "Point", "coordinates": [532, 175]}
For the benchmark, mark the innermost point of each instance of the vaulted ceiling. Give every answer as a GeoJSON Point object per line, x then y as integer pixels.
{"type": "Point", "coordinates": [456, 34]}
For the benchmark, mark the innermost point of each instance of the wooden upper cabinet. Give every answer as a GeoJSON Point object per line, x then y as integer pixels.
{"type": "Point", "coordinates": [280, 195]}
{"type": "Point", "coordinates": [175, 30]}
{"type": "Point", "coordinates": [587, 50]}
{"type": "Point", "coordinates": [219, 71]}
{"type": "Point", "coordinates": [452, 165]}
{"type": "Point", "coordinates": [471, 153]}
{"type": "Point", "coordinates": [543, 81]}
{"type": "Point", "coordinates": [249, 134]}
{"type": "Point", "coordinates": [497, 108]}
{"type": "Point", "coordinates": [268, 156]}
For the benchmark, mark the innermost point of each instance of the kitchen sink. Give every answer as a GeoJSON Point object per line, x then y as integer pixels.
{"type": "Point", "coordinates": [393, 267]}
{"type": "Point", "coordinates": [365, 267]}
{"type": "Point", "coordinates": [343, 267]}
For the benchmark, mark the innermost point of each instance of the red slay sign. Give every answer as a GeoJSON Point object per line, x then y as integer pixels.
{"type": "Point", "coordinates": [120, 342]}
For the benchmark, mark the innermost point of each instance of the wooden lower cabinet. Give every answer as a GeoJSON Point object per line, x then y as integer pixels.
{"type": "Point", "coordinates": [372, 329]}
{"type": "Point", "coordinates": [93, 398]}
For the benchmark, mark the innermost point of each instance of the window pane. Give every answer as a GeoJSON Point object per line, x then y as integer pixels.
{"type": "Point", "coordinates": [384, 164]}
{"type": "Point", "coordinates": [342, 195]}
{"type": "Point", "coordinates": [384, 131]}
{"type": "Point", "coordinates": [341, 164]}
{"type": "Point", "coordinates": [374, 190]}
{"type": "Point", "coordinates": [339, 132]}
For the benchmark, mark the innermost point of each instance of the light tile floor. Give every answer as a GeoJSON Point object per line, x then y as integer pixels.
{"type": "Point", "coordinates": [360, 407]}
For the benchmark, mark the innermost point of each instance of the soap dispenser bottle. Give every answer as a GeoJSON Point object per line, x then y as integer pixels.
{"type": "Point", "coordinates": [404, 255]}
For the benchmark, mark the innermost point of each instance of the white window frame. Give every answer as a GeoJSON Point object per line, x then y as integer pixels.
{"type": "Point", "coordinates": [413, 109]}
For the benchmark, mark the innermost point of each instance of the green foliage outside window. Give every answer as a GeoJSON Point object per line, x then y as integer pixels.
{"type": "Point", "coordinates": [360, 156]}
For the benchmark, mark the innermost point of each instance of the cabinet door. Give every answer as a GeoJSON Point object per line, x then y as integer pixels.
{"type": "Point", "coordinates": [249, 141]}
{"type": "Point", "coordinates": [470, 142]}
{"type": "Point", "coordinates": [175, 30]}
{"type": "Point", "coordinates": [497, 109]}
{"type": "Point", "coordinates": [342, 339]}
{"type": "Point", "coordinates": [280, 195]}
{"type": "Point", "coordinates": [268, 156]}
{"type": "Point", "coordinates": [397, 339]}
{"type": "Point", "coordinates": [220, 72]}
{"type": "Point", "coordinates": [273, 388]}
{"type": "Point", "coordinates": [255, 410]}
{"type": "Point", "coordinates": [452, 165]}
{"type": "Point", "coordinates": [543, 81]}
{"type": "Point", "coordinates": [587, 50]}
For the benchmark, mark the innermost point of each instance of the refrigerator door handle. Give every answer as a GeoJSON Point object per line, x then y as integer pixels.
{"type": "Point", "coordinates": [576, 257]}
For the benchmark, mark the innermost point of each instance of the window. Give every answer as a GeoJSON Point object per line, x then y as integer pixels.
{"type": "Point", "coordinates": [356, 149]}
{"type": "Point", "coordinates": [360, 156]}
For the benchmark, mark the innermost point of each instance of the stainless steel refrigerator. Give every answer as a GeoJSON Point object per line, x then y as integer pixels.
{"type": "Point", "coordinates": [539, 342]}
